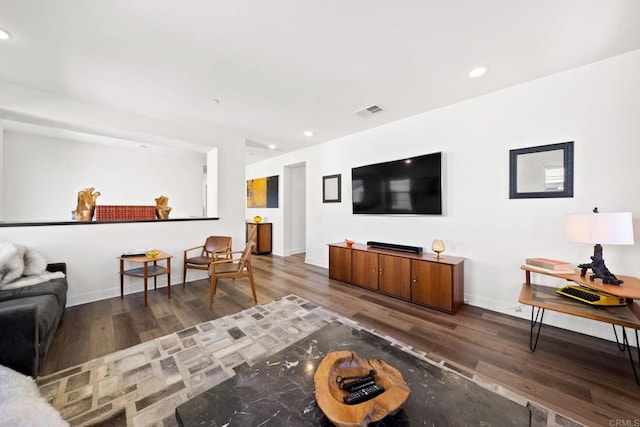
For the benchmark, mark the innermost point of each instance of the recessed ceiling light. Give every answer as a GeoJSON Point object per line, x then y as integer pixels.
{"type": "Point", "coordinates": [477, 72]}
{"type": "Point", "coordinates": [308, 133]}
{"type": "Point", "coordinates": [4, 34]}
{"type": "Point", "coordinates": [271, 146]}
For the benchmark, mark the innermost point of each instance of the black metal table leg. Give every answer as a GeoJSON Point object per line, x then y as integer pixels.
{"type": "Point", "coordinates": [539, 313]}
{"type": "Point", "coordinates": [627, 345]}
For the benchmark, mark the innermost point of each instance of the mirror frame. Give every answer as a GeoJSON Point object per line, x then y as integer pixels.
{"type": "Point", "coordinates": [567, 148]}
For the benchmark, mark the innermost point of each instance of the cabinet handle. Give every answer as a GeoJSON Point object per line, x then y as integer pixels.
{"type": "Point", "coordinates": [375, 270]}
{"type": "Point", "coordinates": [415, 279]}
{"type": "Point", "coordinates": [381, 271]}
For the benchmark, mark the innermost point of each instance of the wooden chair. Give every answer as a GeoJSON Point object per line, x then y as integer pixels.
{"type": "Point", "coordinates": [233, 268]}
{"type": "Point", "coordinates": [214, 248]}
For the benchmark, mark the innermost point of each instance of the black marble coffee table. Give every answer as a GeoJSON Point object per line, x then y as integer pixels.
{"type": "Point", "coordinates": [278, 390]}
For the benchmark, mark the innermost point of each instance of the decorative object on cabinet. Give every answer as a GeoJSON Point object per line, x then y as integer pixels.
{"type": "Point", "coordinates": [262, 192]}
{"type": "Point", "coordinates": [418, 278]}
{"type": "Point", "coordinates": [86, 204]}
{"type": "Point", "coordinates": [348, 242]}
{"type": "Point", "coordinates": [162, 210]}
{"type": "Point", "coordinates": [332, 189]}
{"type": "Point", "coordinates": [609, 228]}
{"type": "Point", "coordinates": [437, 246]}
{"type": "Point", "coordinates": [542, 171]}
{"type": "Point", "coordinates": [261, 234]}
{"type": "Point", "coordinates": [257, 219]}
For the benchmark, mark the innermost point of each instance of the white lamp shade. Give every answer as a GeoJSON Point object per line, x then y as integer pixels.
{"type": "Point", "coordinates": [606, 228]}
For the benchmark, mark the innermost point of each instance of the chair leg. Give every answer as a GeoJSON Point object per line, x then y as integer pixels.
{"type": "Point", "coordinates": [212, 290]}
{"type": "Point", "coordinates": [184, 276]}
{"type": "Point", "coordinates": [253, 286]}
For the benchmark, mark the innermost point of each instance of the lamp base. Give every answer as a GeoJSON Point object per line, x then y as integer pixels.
{"type": "Point", "coordinates": [599, 269]}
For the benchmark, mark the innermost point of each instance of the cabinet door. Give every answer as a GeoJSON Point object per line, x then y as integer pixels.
{"type": "Point", "coordinates": [364, 269]}
{"type": "Point", "coordinates": [340, 263]}
{"type": "Point", "coordinates": [261, 234]}
{"type": "Point", "coordinates": [432, 284]}
{"type": "Point", "coordinates": [394, 276]}
{"type": "Point", "coordinates": [264, 238]}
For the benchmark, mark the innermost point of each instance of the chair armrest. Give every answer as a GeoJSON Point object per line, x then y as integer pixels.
{"type": "Point", "coordinates": [191, 249]}
{"type": "Point", "coordinates": [19, 338]}
{"type": "Point", "coordinates": [58, 266]}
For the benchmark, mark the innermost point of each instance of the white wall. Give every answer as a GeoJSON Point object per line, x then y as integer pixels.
{"type": "Point", "coordinates": [42, 177]}
{"type": "Point", "coordinates": [90, 250]}
{"type": "Point", "coordinates": [597, 106]}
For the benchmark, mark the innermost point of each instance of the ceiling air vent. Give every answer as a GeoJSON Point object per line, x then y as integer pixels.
{"type": "Point", "coordinates": [369, 111]}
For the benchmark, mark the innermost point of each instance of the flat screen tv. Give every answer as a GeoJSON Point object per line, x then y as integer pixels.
{"type": "Point", "coordinates": [410, 186]}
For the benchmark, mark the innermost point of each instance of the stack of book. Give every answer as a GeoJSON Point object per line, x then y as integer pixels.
{"type": "Point", "coordinates": [550, 264]}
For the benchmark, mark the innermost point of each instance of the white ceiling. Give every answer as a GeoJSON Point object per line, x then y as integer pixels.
{"type": "Point", "coordinates": [279, 68]}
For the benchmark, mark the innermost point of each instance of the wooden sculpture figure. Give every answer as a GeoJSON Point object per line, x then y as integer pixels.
{"type": "Point", "coordinates": [86, 204]}
{"type": "Point", "coordinates": [162, 210]}
{"type": "Point", "coordinates": [599, 269]}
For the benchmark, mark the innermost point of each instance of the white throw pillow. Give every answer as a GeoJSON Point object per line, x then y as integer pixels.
{"type": "Point", "coordinates": [11, 262]}
{"type": "Point", "coordinates": [34, 263]}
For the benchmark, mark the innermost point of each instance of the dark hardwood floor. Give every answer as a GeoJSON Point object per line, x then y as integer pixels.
{"type": "Point", "coordinates": [583, 377]}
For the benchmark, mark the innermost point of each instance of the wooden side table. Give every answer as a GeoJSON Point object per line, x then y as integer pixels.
{"type": "Point", "coordinates": [542, 298]}
{"type": "Point", "coordinates": [146, 271]}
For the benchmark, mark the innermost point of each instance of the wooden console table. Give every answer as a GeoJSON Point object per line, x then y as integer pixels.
{"type": "Point", "coordinates": [420, 278]}
{"type": "Point", "coordinates": [146, 271]}
{"type": "Point", "coordinates": [541, 298]}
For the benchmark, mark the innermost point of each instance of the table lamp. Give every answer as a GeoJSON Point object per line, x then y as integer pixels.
{"type": "Point", "coordinates": [611, 228]}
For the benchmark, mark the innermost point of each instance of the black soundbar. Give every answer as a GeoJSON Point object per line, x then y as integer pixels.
{"type": "Point", "coordinates": [394, 247]}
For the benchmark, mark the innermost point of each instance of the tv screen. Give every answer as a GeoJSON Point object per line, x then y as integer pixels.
{"type": "Point", "coordinates": [407, 186]}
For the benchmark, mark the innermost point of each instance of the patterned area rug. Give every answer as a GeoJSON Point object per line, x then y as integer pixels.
{"type": "Point", "coordinates": [142, 385]}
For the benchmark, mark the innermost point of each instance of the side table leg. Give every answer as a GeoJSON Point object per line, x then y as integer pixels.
{"type": "Point", "coordinates": [626, 343]}
{"type": "Point", "coordinates": [539, 313]}
{"type": "Point", "coordinates": [121, 279]}
{"type": "Point", "coordinates": [145, 273]}
{"type": "Point", "coordinates": [169, 276]}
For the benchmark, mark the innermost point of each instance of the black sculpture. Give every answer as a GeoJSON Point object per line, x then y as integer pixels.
{"type": "Point", "coordinates": [600, 271]}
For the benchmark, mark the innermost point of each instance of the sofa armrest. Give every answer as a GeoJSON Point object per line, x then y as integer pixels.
{"type": "Point", "coordinates": [58, 266]}
{"type": "Point", "coordinates": [19, 338]}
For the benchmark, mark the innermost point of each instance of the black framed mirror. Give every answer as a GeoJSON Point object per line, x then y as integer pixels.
{"type": "Point", "coordinates": [541, 172]}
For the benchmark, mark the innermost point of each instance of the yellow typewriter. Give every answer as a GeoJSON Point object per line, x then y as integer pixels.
{"type": "Point", "coordinates": [590, 296]}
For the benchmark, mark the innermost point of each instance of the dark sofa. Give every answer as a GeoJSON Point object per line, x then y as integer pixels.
{"type": "Point", "coordinates": [29, 318]}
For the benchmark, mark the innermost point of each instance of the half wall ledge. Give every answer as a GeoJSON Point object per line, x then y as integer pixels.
{"type": "Point", "coordinates": [50, 223]}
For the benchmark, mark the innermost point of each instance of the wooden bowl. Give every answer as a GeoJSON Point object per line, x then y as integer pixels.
{"type": "Point", "coordinates": [346, 363]}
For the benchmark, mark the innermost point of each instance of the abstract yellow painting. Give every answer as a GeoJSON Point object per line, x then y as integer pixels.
{"type": "Point", "coordinates": [262, 192]}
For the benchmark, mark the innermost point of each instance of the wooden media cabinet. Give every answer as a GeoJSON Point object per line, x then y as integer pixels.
{"type": "Point", "coordinates": [419, 278]}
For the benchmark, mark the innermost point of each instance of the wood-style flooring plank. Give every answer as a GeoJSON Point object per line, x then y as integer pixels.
{"type": "Point", "coordinates": [586, 378]}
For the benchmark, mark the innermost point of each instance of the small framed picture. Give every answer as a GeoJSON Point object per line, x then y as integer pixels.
{"type": "Point", "coordinates": [331, 189]}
